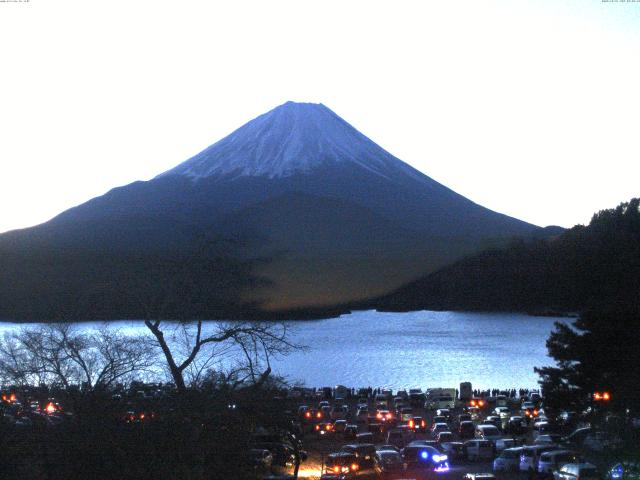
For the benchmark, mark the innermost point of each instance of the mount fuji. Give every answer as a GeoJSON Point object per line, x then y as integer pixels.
{"type": "Point", "coordinates": [323, 214]}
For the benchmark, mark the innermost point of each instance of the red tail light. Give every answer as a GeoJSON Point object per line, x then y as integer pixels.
{"type": "Point", "coordinates": [308, 414]}
{"type": "Point", "coordinates": [412, 424]}
{"type": "Point", "coordinates": [317, 427]}
{"type": "Point", "coordinates": [336, 469]}
{"type": "Point", "coordinates": [354, 466]}
{"type": "Point", "coordinates": [50, 408]}
{"type": "Point", "coordinates": [319, 415]}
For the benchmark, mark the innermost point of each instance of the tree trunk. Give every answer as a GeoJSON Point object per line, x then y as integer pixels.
{"type": "Point", "coordinates": [176, 373]}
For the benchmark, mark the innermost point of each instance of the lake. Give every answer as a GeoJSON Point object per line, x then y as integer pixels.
{"type": "Point", "coordinates": [412, 349]}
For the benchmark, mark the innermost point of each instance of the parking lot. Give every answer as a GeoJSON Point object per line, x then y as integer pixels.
{"type": "Point", "coordinates": [329, 425]}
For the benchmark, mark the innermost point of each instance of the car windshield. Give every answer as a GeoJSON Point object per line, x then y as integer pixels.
{"type": "Point", "coordinates": [490, 431]}
{"type": "Point", "coordinates": [390, 457]}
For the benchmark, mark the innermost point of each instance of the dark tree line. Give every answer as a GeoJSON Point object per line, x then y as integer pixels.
{"type": "Point", "coordinates": [202, 280]}
{"type": "Point", "coordinates": [585, 267]}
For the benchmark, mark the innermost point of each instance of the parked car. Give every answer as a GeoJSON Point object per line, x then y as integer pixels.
{"type": "Point", "coordinates": [260, 458]}
{"type": "Point", "coordinates": [531, 454]}
{"type": "Point", "coordinates": [543, 428]}
{"type": "Point", "coordinates": [416, 397]}
{"type": "Point", "coordinates": [362, 414]}
{"type": "Point", "coordinates": [554, 460]}
{"type": "Point", "coordinates": [339, 412]}
{"type": "Point", "coordinates": [324, 428]}
{"type": "Point", "coordinates": [478, 449]}
{"type": "Point", "coordinates": [553, 438]}
{"type": "Point", "coordinates": [388, 463]}
{"type": "Point", "coordinates": [387, 446]}
{"type": "Point", "coordinates": [385, 416]}
{"type": "Point", "coordinates": [400, 436]}
{"type": "Point", "coordinates": [420, 459]}
{"type": "Point", "coordinates": [283, 454]}
{"type": "Point", "coordinates": [444, 412]}
{"type": "Point", "coordinates": [339, 426]}
{"type": "Point", "coordinates": [504, 443]}
{"type": "Point", "coordinates": [502, 412]}
{"type": "Point", "coordinates": [365, 437]}
{"type": "Point", "coordinates": [444, 437]}
{"type": "Point", "coordinates": [567, 418]}
{"type": "Point", "coordinates": [364, 453]}
{"type": "Point", "coordinates": [515, 426]}
{"type": "Point", "coordinates": [464, 417]}
{"type": "Point", "coordinates": [576, 471]}
{"type": "Point", "coordinates": [439, 419]}
{"type": "Point", "coordinates": [488, 432]}
{"type": "Point", "coordinates": [493, 420]}
{"type": "Point", "coordinates": [508, 460]}
{"type": "Point", "coordinates": [342, 464]}
{"type": "Point", "coordinates": [436, 428]}
{"type": "Point", "coordinates": [350, 432]}
{"type": "Point", "coordinates": [466, 429]}
{"type": "Point", "coordinates": [418, 424]}
{"type": "Point", "coordinates": [454, 450]}
{"type": "Point", "coordinates": [406, 414]}
{"type": "Point", "coordinates": [576, 438]}
{"type": "Point", "coordinates": [378, 430]}
{"type": "Point", "coordinates": [529, 411]}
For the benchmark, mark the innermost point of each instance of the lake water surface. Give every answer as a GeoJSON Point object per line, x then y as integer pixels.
{"type": "Point", "coordinates": [414, 349]}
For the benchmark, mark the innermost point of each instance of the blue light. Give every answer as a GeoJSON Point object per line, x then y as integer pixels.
{"type": "Point", "coordinates": [617, 472]}
{"type": "Point", "coordinates": [424, 454]}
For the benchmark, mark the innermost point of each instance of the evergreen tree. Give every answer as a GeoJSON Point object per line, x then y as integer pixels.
{"type": "Point", "coordinates": [597, 353]}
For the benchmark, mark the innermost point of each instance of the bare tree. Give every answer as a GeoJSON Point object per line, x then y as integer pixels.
{"type": "Point", "coordinates": [60, 354]}
{"type": "Point", "coordinates": [244, 349]}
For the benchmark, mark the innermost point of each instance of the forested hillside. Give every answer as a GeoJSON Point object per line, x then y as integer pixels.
{"type": "Point", "coordinates": [584, 267]}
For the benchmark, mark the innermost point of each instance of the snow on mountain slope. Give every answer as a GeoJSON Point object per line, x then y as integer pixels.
{"type": "Point", "coordinates": [292, 138]}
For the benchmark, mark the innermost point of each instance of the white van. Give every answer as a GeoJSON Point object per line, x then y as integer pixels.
{"type": "Point", "coordinates": [531, 454]}
{"type": "Point", "coordinates": [440, 398]}
{"type": "Point", "coordinates": [553, 460]}
{"type": "Point", "coordinates": [478, 449]}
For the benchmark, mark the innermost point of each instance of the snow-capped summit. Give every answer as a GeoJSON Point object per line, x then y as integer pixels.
{"type": "Point", "coordinates": [292, 138]}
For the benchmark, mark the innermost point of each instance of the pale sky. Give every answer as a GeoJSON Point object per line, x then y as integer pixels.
{"type": "Point", "coordinates": [528, 108]}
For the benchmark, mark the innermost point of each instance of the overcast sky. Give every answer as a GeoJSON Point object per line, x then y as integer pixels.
{"type": "Point", "coordinates": [528, 108]}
